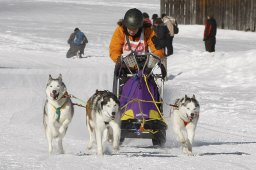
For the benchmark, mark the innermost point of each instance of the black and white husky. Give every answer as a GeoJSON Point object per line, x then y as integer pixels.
{"type": "Point", "coordinates": [102, 118]}
{"type": "Point", "coordinates": [184, 121]}
{"type": "Point", "coordinates": [58, 112]}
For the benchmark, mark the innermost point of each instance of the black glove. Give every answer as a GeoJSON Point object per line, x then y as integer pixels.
{"type": "Point", "coordinates": [120, 68]}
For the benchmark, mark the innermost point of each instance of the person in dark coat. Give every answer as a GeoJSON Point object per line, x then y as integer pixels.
{"type": "Point", "coordinates": [169, 21]}
{"type": "Point", "coordinates": [161, 40]}
{"type": "Point", "coordinates": [77, 42]}
{"type": "Point", "coordinates": [154, 17]}
{"type": "Point", "coordinates": [210, 34]}
{"type": "Point", "coordinates": [162, 34]}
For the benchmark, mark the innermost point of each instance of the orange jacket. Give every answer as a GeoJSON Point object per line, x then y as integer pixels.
{"type": "Point", "coordinates": [118, 41]}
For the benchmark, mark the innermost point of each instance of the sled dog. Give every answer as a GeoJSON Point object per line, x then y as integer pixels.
{"type": "Point", "coordinates": [102, 118]}
{"type": "Point", "coordinates": [184, 120]}
{"type": "Point", "coordinates": [58, 112]}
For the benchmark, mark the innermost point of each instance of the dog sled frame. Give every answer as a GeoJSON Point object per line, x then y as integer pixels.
{"type": "Point", "coordinates": [154, 129]}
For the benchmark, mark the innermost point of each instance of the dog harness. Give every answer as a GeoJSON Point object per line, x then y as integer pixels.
{"type": "Point", "coordinates": [58, 111]}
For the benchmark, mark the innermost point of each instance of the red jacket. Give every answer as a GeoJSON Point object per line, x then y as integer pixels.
{"type": "Point", "coordinates": [210, 29]}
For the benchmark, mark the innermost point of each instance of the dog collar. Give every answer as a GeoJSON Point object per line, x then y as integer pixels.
{"type": "Point", "coordinates": [190, 120]}
{"type": "Point", "coordinates": [185, 123]}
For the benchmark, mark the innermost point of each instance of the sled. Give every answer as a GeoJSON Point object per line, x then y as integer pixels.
{"type": "Point", "coordinates": [139, 86]}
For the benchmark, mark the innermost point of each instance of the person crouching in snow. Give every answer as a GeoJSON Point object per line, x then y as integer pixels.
{"type": "Point", "coordinates": [77, 42]}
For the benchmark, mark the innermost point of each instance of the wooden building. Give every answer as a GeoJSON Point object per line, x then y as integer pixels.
{"type": "Point", "coordinates": [229, 14]}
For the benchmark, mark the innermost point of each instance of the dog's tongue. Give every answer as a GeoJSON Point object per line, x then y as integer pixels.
{"type": "Point", "coordinates": [54, 96]}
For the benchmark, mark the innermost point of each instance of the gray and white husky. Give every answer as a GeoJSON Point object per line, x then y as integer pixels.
{"type": "Point", "coordinates": [184, 121]}
{"type": "Point", "coordinates": [103, 120]}
{"type": "Point", "coordinates": [58, 112]}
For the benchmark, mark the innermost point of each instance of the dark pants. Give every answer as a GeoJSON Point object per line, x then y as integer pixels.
{"type": "Point", "coordinates": [169, 47]}
{"type": "Point", "coordinates": [210, 44]}
{"type": "Point", "coordinates": [74, 49]}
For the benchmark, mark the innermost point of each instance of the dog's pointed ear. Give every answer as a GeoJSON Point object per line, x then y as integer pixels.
{"type": "Point", "coordinates": [60, 77]}
{"type": "Point", "coordinates": [193, 97]}
{"type": "Point", "coordinates": [186, 97]}
{"type": "Point", "coordinates": [49, 80]}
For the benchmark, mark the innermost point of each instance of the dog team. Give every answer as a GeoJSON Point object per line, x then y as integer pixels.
{"type": "Point", "coordinates": [103, 118]}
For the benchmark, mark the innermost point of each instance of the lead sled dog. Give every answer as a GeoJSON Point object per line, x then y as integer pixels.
{"type": "Point", "coordinates": [184, 121]}
{"type": "Point", "coordinates": [103, 120]}
{"type": "Point", "coordinates": [58, 112]}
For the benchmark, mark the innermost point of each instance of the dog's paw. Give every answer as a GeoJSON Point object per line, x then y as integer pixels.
{"type": "Point", "coordinates": [89, 146]}
{"type": "Point", "coordinates": [190, 154]}
{"type": "Point", "coordinates": [187, 152]}
{"type": "Point", "coordinates": [100, 153]}
{"type": "Point", "coordinates": [115, 150]}
{"type": "Point", "coordinates": [62, 130]}
{"type": "Point", "coordinates": [61, 151]}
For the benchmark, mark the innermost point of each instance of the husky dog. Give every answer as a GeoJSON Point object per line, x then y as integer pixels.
{"type": "Point", "coordinates": [58, 112]}
{"type": "Point", "coordinates": [184, 121]}
{"type": "Point", "coordinates": [102, 117]}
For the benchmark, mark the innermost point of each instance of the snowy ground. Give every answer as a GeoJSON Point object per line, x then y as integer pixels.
{"type": "Point", "coordinates": [33, 35]}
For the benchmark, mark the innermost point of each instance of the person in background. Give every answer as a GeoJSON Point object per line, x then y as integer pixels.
{"type": "Point", "coordinates": [162, 34]}
{"type": "Point", "coordinates": [77, 42]}
{"type": "Point", "coordinates": [169, 22]}
{"type": "Point", "coordinates": [146, 20]}
{"type": "Point", "coordinates": [210, 34]}
{"type": "Point", "coordinates": [154, 17]}
{"type": "Point", "coordinates": [161, 40]}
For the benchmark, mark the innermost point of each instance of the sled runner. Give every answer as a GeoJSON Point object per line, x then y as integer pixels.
{"type": "Point", "coordinates": [139, 87]}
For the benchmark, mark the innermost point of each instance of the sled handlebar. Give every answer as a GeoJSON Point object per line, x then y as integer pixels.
{"type": "Point", "coordinates": [142, 54]}
{"type": "Point", "coordinates": [137, 62]}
